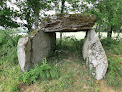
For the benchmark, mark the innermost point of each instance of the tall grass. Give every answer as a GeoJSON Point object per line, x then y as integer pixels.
{"type": "Point", "coordinates": [70, 46]}
{"type": "Point", "coordinates": [113, 49]}
{"type": "Point", "coordinates": [8, 59]}
{"type": "Point", "coordinates": [8, 44]}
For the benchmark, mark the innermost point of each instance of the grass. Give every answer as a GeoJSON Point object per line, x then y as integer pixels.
{"type": "Point", "coordinates": [113, 50]}
{"type": "Point", "coordinates": [67, 64]}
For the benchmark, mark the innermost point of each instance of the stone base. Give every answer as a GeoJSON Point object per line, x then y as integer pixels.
{"type": "Point", "coordinates": [94, 55]}
{"type": "Point", "coordinates": [32, 49]}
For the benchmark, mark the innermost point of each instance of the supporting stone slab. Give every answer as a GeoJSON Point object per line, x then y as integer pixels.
{"type": "Point", "coordinates": [42, 43]}
{"type": "Point", "coordinates": [32, 49]}
{"type": "Point", "coordinates": [94, 55]}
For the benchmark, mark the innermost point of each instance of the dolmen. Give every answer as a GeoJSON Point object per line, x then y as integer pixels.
{"type": "Point", "coordinates": [33, 48]}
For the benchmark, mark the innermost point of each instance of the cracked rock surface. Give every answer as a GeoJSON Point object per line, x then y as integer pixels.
{"type": "Point", "coordinates": [94, 55]}
{"type": "Point", "coordinates": [32, 49]}
{"type": "Point", "coordinates": [68, 23]}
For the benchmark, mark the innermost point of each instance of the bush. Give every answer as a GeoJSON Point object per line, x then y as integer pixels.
{"type": "Point", "coordinates": [71, 45]}
{"type": "Point", "coordinates": [112, 46]}
{"type": "Point", "coordinates": [109, 43]}
{"type": "Point", "coordinates": [113, 50]}
{"type": "Point", "coordinates": [113, 77]}
{"type": "Point", "coordinates": [8, 46]}
{"type": "Point", "coordinates": [43, 72]}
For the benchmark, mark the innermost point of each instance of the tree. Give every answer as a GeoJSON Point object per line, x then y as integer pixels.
{"type": "Point", "coordinates": [77, 6]}
{"type": "Point", "coordinates": [109, 13]}
{"type": "Point", "coordinates": [7, 15]}
{"type": "Point", "coordinates": [30, 10]}
{"type": "Point", "coordinates": [62, 11]}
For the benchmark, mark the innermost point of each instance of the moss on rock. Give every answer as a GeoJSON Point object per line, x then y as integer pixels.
{"type": "Point", "coordinates": [68, 22]}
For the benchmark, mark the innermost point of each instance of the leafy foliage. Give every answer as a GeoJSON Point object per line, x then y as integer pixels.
{"type": "Point", "coordinates": [114, 74]}
{"type": "Point", "coordinates": [31, 11]}
{"type": "Point", "coordinates": [6, 15]}
{"type": "Point", "coordinates": [11, 75]}
{"type": "Point", "coordinates": [66, 68]}
{"type": "Point", "coordinates": [113, 50]}
{"type": "Point", "coordinates": [42, 72]}
{"type": "Point", "coordinates": [112, 45]}
{"type": "Point", "coordinates": [108, 14]}
{"type": "Point", "coordinates": [8, 46]}
{"type": "Point", "coordinates": [70, 46]}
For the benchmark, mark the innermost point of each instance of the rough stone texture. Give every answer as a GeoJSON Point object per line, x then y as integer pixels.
{"type": "Point", "coordinates": [42, 43]}
{"type": "Point", "coordinates": [32, 49]}
{"type": "Point", "coordinates": [24, 53]}
{"type": "Point", "coordinates": [94, 55]}
{"type": "Point", "coordinates": [68, 23]}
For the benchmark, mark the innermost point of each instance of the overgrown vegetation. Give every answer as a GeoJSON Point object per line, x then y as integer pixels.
{"type": "Point", "coordinates": [71, 46]}
{"type": "Point", "coordinates": [64, 70]}
{"type": "Point", "coordinates": [42, 72]}
{"type": "Point", "coordinates": [9, 65]}
{"type": "Point", "coordinates": [113, 50]}
{"type": "Point", "coordinates": [8, 46]}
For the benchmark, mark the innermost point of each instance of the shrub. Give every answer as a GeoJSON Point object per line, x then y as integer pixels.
{"type": "Point", "coordinates": [113, 76]}
{"type": "Point", "coordinates": [71, 45]}
{"type": "Point", "coordinates": [109, 43]}
{"type": "Point", "coordinates": [8, 46]}
{"type": "Point", "coordinates": [43, 72]}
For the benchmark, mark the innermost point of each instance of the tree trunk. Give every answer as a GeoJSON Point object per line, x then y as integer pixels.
{"type": "Point", "coordinates": [36, 20]}
{"type": "Point", "coordinates": [118, 33]}
{"type": "Point", "coordinates": [62, 7]}
{"type": "Point", "coordinates": [62, 11]}
{"type": "Point", "coordinates": [109, 33]}
{"type": "Point", "coordinates": [99, 30]}
{"type": "Point", "coordinates": [96, 28]}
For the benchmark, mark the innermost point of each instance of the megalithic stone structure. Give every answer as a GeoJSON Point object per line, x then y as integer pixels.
{"type": "Point", "coordinates": [94, 55]}
{"type": "Point", "coordinates": [33, 48]}
{"type": "Point", "coordinates": [68, 23]}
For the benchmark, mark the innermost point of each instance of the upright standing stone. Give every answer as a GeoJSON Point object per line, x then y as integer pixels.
{"type": "Point", "coordinates": [94, 55]}
{"type": "Point", "coordinates": [42, 43]}
{"type": "Point", "coordinates": [32, 49]}
{"type": "Point", "coordinates": [24, 53]}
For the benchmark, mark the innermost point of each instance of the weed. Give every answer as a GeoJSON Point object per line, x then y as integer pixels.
{"type": "Point", "coordinates": [113, 47]}
{"type": "Point", "coordinates": [71, 46]}
{"type": "Point", "coordinates": [8, 44]}
{"type": "Point", "coordinates": [8, 60]}
{"type": "Point", "coordinates": [113, 76]}
{"type": "Point", "coordinates": [109, 44]}
{"type": "Point", "coordinates": [43, 72]}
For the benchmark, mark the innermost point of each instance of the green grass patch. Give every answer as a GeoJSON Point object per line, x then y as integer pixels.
{"type": "Point", "coordinates": [64, 70]}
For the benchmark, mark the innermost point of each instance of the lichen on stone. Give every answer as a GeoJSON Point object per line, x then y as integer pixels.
{"type": "Point", "coordinates": [68, 22]}
{"type": "Point", "coordinates": [33, 33]}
